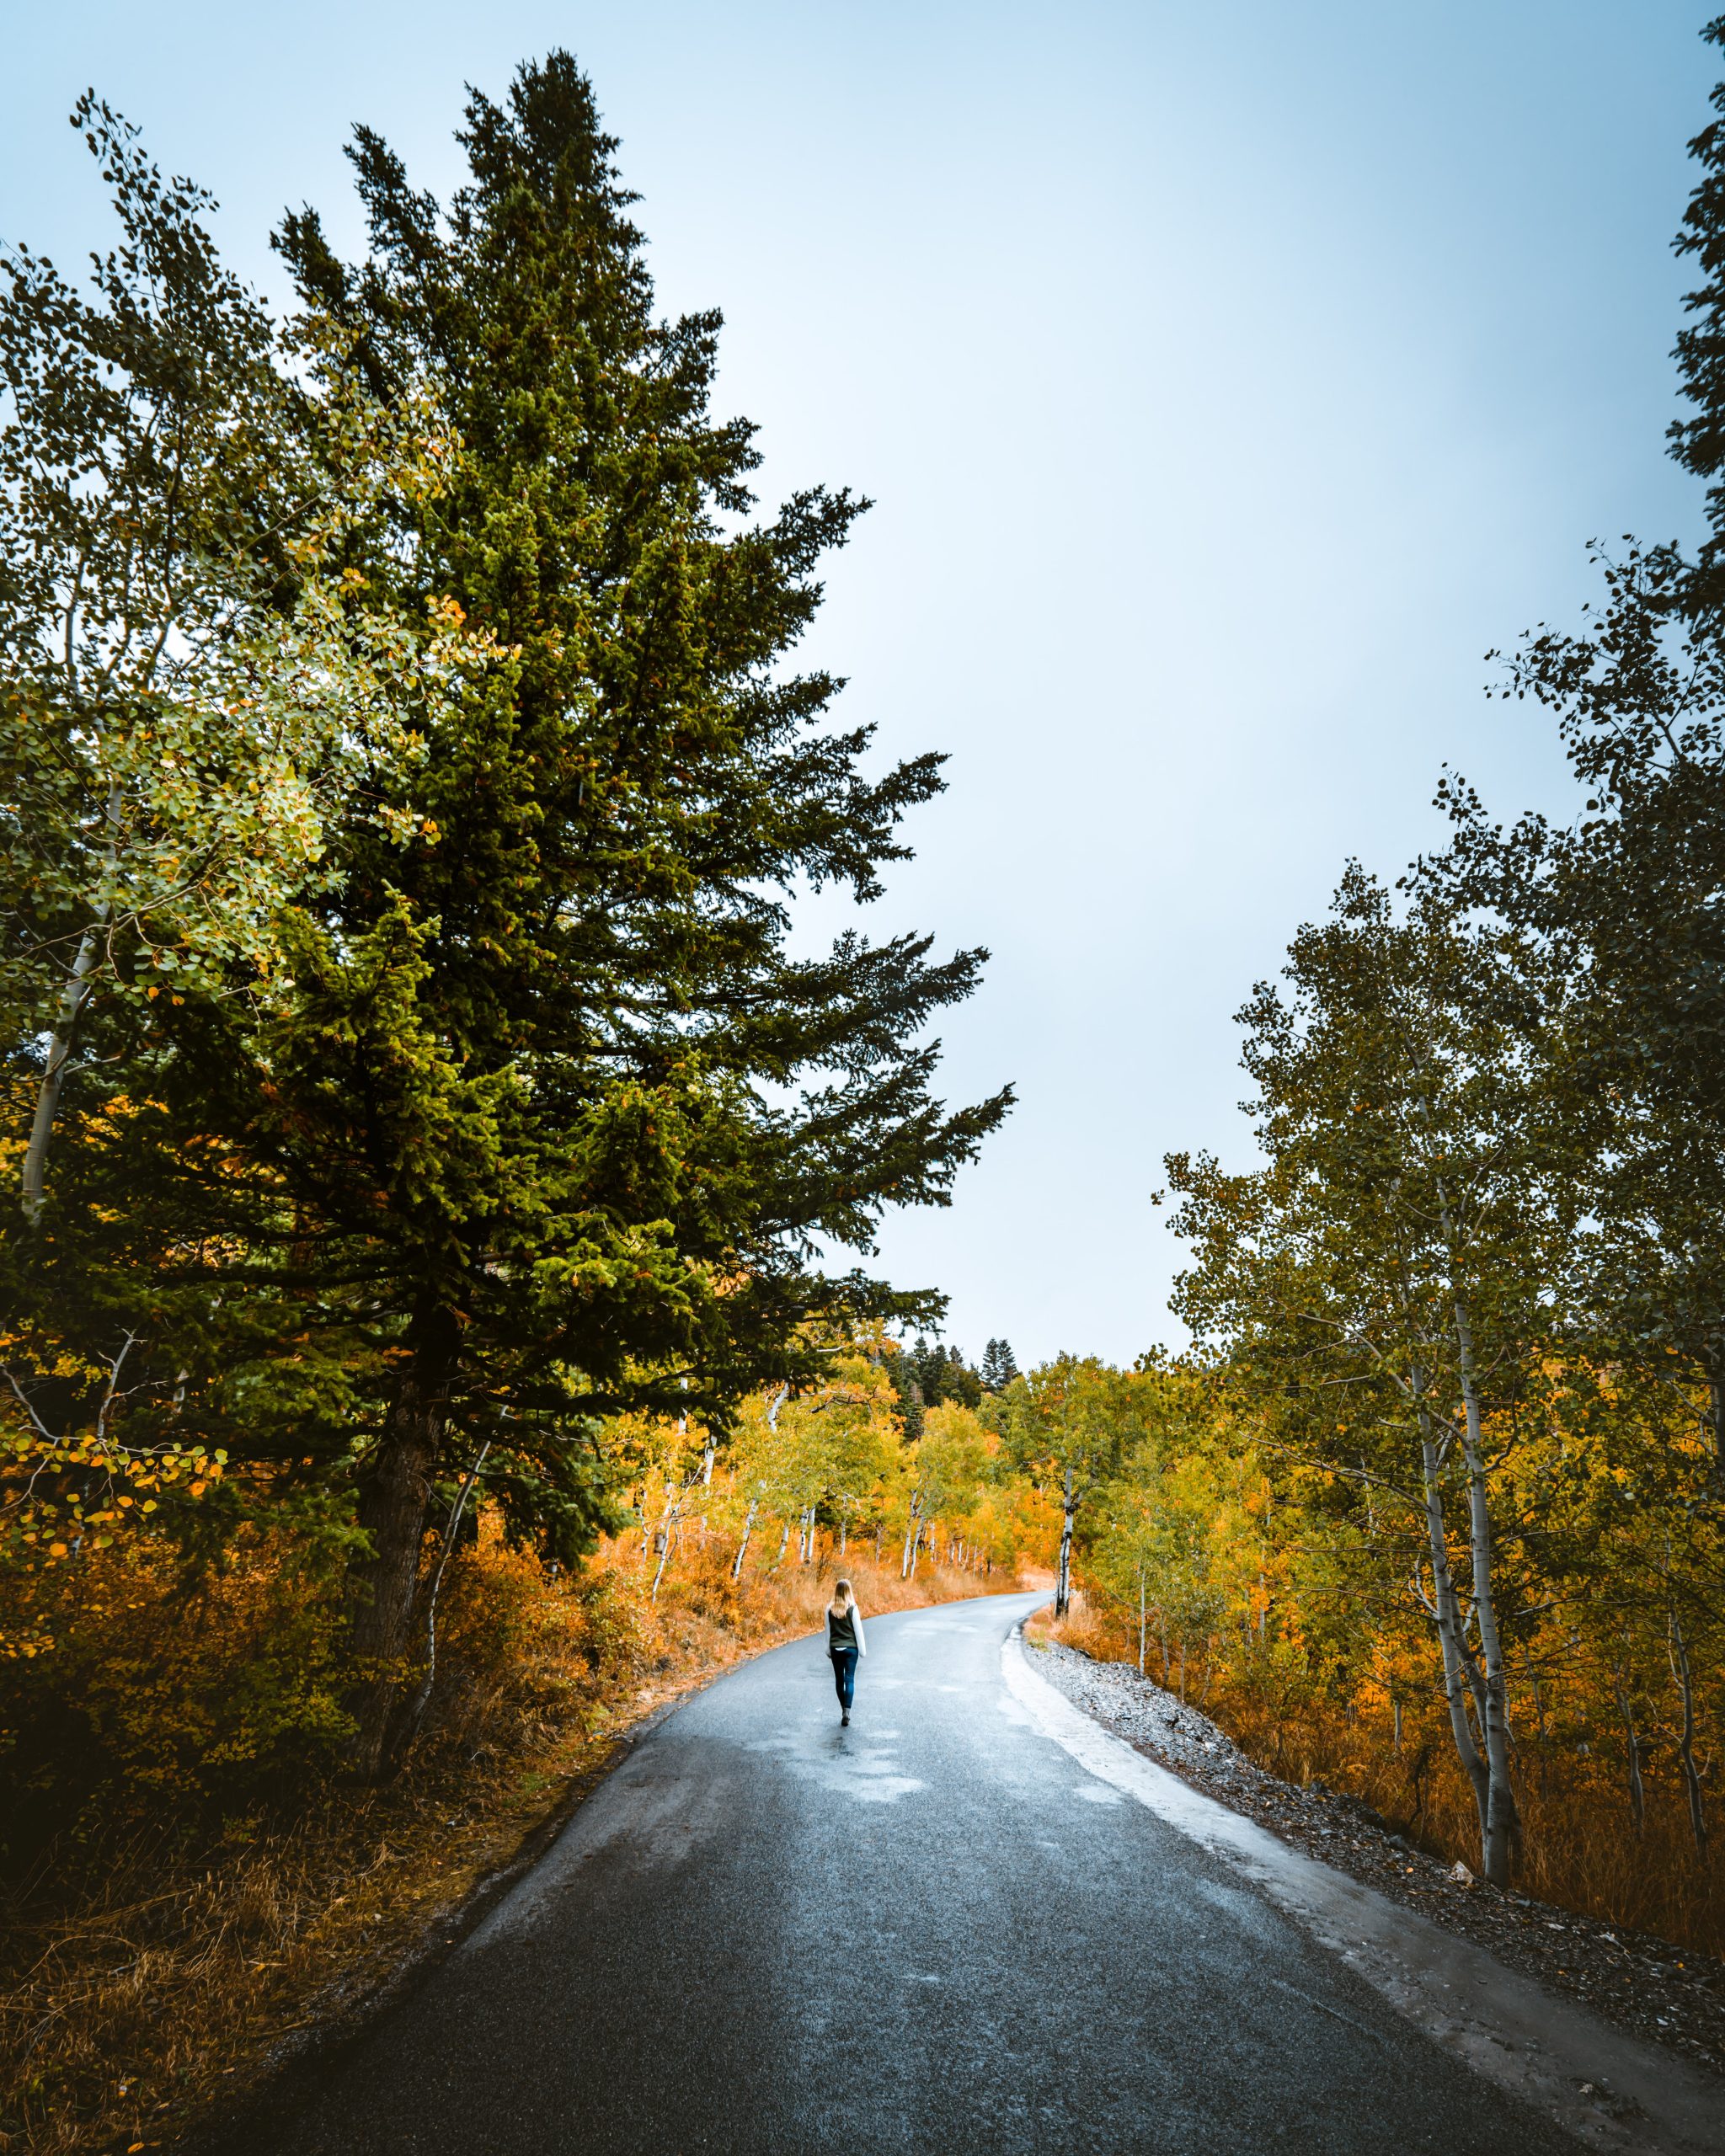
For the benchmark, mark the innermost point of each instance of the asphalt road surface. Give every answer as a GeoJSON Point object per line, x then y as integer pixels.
{"type": "Point", "coordinates": [930, 1932]}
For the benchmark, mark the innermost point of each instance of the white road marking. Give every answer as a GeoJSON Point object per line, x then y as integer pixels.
{"type": "Point", "coordinates": [1510, 2029]}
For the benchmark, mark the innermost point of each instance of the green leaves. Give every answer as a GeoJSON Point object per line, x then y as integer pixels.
{"type": "Point", "coordinates": [438, 1071]}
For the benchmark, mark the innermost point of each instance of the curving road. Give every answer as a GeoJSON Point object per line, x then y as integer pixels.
{"type": "Point", "coordinates": [930, 1932]}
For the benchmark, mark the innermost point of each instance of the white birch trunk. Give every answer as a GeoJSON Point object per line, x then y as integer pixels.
{"type": "Point", "coordinates": [1140, 1621]}
{"type": "Point", "coordinates": [60, 1041]}
{"type": "Point", "coordinates": [743, 1547]}
{"type": "Point", "coordinates": [1637, 1791]}
{"type": "Point", "coordinates": [1500, 1824]}
{"type": "Point", "coordinates": [1685, 1743]}
{"type": "Point", "coordinates": [1446, 1618]}
{"type": "Point", "coordinates": [1063, 1585]}
{"type": "Point", "coordinates": [34, 1180]}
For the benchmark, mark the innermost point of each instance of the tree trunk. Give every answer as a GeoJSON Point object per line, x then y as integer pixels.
{"type": "Point", "coordinates": [784, 1544]}
{"type": "Point", "coordinates": [1685, 1743]}
{"type": "Point", "coordinates": [670, 1523]}
{"type": "Point", "coordinates": [1502, 1824]}
{"type": "Point", "coordinates": [1637, 1791]}
{"type": "Point", "coordinates": [59, 1041]}
{"type": "Point", "coordinates": [1714, 1362]}
{"type": "Point", "coordinates": [393, 1498]}
{"type": "Point", "coordinates": [1140, 1621]}
{"type": "Point", "coordinates": [743, 1547]}
{"type": "Point", "coordinates": [1063, 1584]}
{"type": "Point", "coordinates": [1446, 1618]}
{"type": "Point", "coordinates": [408, 1721]}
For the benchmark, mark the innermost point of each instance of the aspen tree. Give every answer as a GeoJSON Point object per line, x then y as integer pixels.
{"type": "Point", "coordinates": [1392, 1266]}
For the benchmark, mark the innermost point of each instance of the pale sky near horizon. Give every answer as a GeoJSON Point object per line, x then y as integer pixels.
{"type": "Point", "coordinates": [1228, 377]}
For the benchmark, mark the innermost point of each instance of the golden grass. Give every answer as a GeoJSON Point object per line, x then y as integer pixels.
{"type": "Point", "coordinates": [1579, 1848]}
{"type": "Point", "coordinates": [138, 1991]}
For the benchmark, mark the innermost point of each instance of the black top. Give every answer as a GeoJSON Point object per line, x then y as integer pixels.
{"type": "Point", "coordinates": [841, 1633]}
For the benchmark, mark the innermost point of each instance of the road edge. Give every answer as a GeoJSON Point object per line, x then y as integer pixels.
{"type": "Point", "coordinates": [252, 2121]}
{"type": "Point", "coordinates": [1539, 2046]}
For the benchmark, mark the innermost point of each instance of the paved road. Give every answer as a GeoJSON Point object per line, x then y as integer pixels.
{"type": "Point", "coordinates": [930, 1932]}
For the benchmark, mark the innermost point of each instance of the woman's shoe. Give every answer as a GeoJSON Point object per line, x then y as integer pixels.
{"type": "Point", "coordinates": [844, 1721]}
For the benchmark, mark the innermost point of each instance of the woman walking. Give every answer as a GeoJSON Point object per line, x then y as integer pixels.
{"type": "Point", "coordinates": [844, 1643]}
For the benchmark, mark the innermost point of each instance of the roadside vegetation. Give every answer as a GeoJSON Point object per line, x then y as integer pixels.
{"type": "Point", "coordinates": [1226, 1554]}
{"type": "Point", "coordinates": [200, 1880]}
{"type": "Point", "coordinates": [1435, 1506]}
{"type": "Point", "coordinates": [418, 1357]}
{"type": "Point", "coordinates": [419, 1129]}
{"type": "Point", "coordinates": [218, 1895]}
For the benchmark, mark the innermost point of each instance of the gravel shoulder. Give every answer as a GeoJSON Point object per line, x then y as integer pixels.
{"type": "Point", "coordinates": [1664, 1994]}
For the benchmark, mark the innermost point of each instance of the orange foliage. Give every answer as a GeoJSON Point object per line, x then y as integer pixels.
{"type": "Point", "coordinates": [176, 1810]}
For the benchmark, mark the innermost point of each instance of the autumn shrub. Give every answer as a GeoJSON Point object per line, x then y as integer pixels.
{"type": "Point", "coordinates": [166, 1694]}
{"type": "Point", "coordinates": [193, 1884]}
{"type": "Point", "coordinates": [1577, 1847]}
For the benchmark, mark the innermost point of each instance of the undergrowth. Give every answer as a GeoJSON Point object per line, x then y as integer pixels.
{"type": "Point", "coordinates": [1578, 1848]}
{"type": "Point", "coordinates": [190, 1884]}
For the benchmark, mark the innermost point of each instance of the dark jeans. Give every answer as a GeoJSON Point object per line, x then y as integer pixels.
{"type": "Point", "coordinates": [844, 1674]}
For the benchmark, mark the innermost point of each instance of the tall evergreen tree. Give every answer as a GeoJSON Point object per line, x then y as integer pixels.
{"type": "Point", "coordinates": [1000, 1366]}
{"type": "Point", "coordinates": [561, 1117]}
{"type": "Point", "coordinates": [1698, 439]}
{"type": "Point", "coordinates": [959, 1382]}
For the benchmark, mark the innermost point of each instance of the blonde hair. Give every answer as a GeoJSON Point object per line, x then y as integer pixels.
{"type": "Point", "coordinates": [843, 1587]}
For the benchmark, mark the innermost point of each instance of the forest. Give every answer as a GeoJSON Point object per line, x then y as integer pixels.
{"type": "Point", "coordinates": [426, 1144]}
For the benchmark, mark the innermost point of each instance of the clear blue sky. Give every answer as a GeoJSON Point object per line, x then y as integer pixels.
{"type": "Point", "coordinates": [1230, 377]}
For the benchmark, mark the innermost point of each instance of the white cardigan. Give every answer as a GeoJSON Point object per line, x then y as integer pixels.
{"type": "Point", "coordinates": [855, 1617]}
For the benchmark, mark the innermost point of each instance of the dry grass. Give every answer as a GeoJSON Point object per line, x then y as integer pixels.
{"type": "Point", "coordinates": [145, 1981]}
{"type": "Point", "coordinates": [1579, 1848]}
